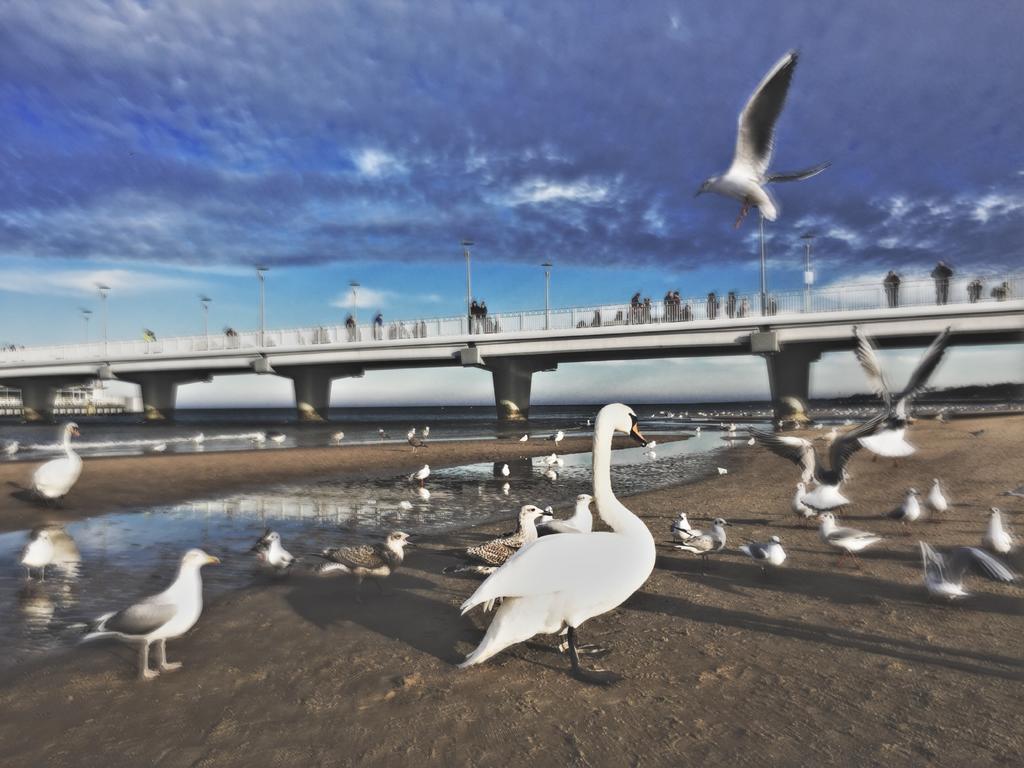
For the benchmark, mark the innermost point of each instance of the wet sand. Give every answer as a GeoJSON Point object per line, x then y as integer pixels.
{"type": "Point", "coordinates": [814, 665]}
{"type": "Point", "coordinates": [109, 484]}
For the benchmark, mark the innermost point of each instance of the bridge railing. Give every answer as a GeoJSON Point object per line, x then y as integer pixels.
{"type": "Point", "coordinates": [837, 298]}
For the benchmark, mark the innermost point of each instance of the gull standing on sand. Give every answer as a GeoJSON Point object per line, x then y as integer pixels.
{"type": "Point", "coordinates": [376, 561]}
{"type": "Point", "coordinates": [563, 581]}
{"type": "Point", "coordinates": [996, 537]}
{"type": "Point", "coordinates": [337, 437]}
{"type": "Point", "coordinates": [159, 448]}
{"type": "Point", "coordinates": [55, 479]}
{"type": "Point", "coordinates": [581, 521]}
{"type": "Point", "coordinates": [38, 553]}
{"type": "Point", "coordinates": [505, 471]}
{"type": "Point", "coordinates": [907, 512]}
{"type": "Point", "coordinates": [936, 500]}
{"type": "Point", "coordinates": [706, 544]}
{"type": "Point", "coordinates": [270, 551]}
{"type": "Point", "coordinates": [747, 178]}
{"type": "Point", "coordinates": [426, 431]}
{"type": "Point", "coordinates": [162, 617]}
{"type": "Point", "coordinates": [414, 441]}
{"type": "Point", "coordinates": [801, 452]}
{"type": "Point", "coordinates": [10, 448]}
{"type": "Point", "coordinates": [723, 471]}
{"type": "Point", "coordinates": [681, 529]}
{"type": "Point", "coordinates": [888, 439]}
{"type": "Point", "coordinates": [768, 554]}
{"type": "Point", "coordinates": [486, 558]}
{"type": "Point", "coordinates": [421, 474]}
{"type": "Point", "coordinates": [558, 437]}
{"type": "Point", "coordinates": [850, 540]}
{"type": "Point", "coordinates": [199, 439]}
{"type": "Point", "coordinates": [524, 438]}
{"type": "Point", "coordinates": [944, 573]}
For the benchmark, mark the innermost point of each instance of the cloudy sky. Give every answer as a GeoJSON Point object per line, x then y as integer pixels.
{"type": "Point", "coordinates": [166, 147]}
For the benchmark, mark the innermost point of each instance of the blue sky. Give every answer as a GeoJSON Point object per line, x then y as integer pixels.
{"type": "Point", "coordinates": [165, 148]}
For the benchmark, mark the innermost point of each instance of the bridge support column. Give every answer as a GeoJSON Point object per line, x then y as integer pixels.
{"type": "Point", "coordinates": [789, 378]}
{"type": "Point", "coordinates": [37, 397]}
{"type": "Point", "coordinates": [513, 378]}
{"type": "Point", "coordinates": [313, 387]}
{"type": "Point", "coordinates": [159, 395]}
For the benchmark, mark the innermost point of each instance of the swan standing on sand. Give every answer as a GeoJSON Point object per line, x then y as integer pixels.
{"type": "Point", "coordinates": [562, 581]}
{"type": "Point", "coordinates": [162, 617]}
{"type": "Point", "coordinates": [54, 479]}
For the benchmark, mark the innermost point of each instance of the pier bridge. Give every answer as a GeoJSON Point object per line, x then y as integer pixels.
{"type": "Point", "coordinates": [792, 333]}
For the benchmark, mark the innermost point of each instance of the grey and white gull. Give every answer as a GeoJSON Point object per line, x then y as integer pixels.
{"type": "Point", "coordinates": [706, 544]}
{"type": "Point", "coordinates": [581, 520]}
{"type": "Point", "coordinates": [768, 554]}
{"type": "Point", "coordinates": [162, 617]}
{"type": "Point", "coordinates": [888, 439]}
{"type": "Point", "coordinates": [747, 178]}
{"type": "Point", "coordinates": [849, 540]}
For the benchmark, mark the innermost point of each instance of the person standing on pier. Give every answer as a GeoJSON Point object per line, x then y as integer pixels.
{"type": "Point", "coordinates": [974, 289]}
{"type": "Point", "coordinates": [713, 304]}
{"type": "Point", "coordinates": [730, 304]}
{"type": "Point", "coordinates": [941, 275]}
{"type": "Point", "coordinates": [378, 327]}
{"type": "Point", "coordinates": [892, 289]}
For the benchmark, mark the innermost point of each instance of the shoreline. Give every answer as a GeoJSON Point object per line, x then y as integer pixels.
{"type": "Point", "coordinates": [814, 665]}
{"type": "Point", "coordinates": [121, 483]}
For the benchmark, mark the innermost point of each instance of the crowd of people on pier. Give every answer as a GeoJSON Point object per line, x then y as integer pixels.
{"type": "Point", "coordinates": [943, 277]}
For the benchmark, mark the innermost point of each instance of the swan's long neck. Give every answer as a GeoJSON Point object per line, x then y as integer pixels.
{"type": "Point", "coordinates": [611, 510]}
{"type": "Point", "coordinates": [67, 442]}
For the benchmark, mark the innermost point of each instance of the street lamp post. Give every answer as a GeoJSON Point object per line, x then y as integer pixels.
{"type": "Point", "coordinates": [808, 238]}
{"type": "Point", "coordinates": [104, 290]}
{"type": "Point", "coordinates": [204, 302]}
{"type": "Point", "coordinates": [260, 272]}
{"type": "Point", "coordinates": [764, 276]}
{"type": "Point", "coordinates": [354, 285]}
{"type": "Point", "coordinates": [547, 293]}
{"type": "Point", "coordinates": [466, 245]}
{"type": "Point", "coordinates": [85, 316]}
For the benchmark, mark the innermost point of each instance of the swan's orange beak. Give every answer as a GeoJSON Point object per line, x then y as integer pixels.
{"type": "Point", "coordinates": [635, 434]}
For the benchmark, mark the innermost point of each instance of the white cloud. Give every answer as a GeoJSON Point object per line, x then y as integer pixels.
{"type": "Point", "coordinates": [83, 282]}
{"type": "Point", "coordinates": [376, 163]}
{"type": "Point", "coordinates": [536, 191]}
{"type": "Point", "coordinates": [994, 204]}
{"type": "Point", "coordinates": [374, 298]}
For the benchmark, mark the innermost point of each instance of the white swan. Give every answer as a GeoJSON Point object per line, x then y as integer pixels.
{"type": "Point", "coordinates": [54, 479]}
{"type": "Point", "coordinates": [562, 581]}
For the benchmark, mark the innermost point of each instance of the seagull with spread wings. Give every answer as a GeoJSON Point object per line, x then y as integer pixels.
{"type": "Point", "coordinates": [802, 453]}
{"type": "Point", "coordinates": [747, 178]}
{"type": "Point", "coordinates": [944, 572]}
{"type": "Point", "coordinates": [889, 438]}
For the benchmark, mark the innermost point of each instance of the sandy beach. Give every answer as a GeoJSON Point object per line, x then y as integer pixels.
{"type": "Point", "coordinates": [814, 665]}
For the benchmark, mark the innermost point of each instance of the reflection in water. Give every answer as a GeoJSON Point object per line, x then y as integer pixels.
{"type": "Point", "coordinates": [103, 563]}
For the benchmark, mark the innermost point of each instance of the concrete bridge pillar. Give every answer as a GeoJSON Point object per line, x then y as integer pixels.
{"type": "Point", "coordinates": [313, 387]}
{"type": "Point", "coordinates": [37, 397]}
{"type": "Point", "coordinates": [513, 378]}
{"type": "Point", "coordinates": [789, 371]}
{"type": "Point", "coordinates": [159, 395]}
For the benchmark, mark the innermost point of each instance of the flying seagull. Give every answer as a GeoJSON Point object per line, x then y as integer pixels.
{"type": "Point", "coordinates": [802, 453]}
{"type": "Point", "coordinates": [888, 438]}
{"type": "Point", "coordinates": [944, 572]}
{"type": "Point", "coordinates": [747, 177]}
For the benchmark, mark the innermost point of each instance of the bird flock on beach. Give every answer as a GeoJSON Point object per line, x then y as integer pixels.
{"type": "Point", "coordinates": [549, 576]}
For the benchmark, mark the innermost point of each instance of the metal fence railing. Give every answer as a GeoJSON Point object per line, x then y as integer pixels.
{"type": "Point", "coordinates": [836, 298]}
